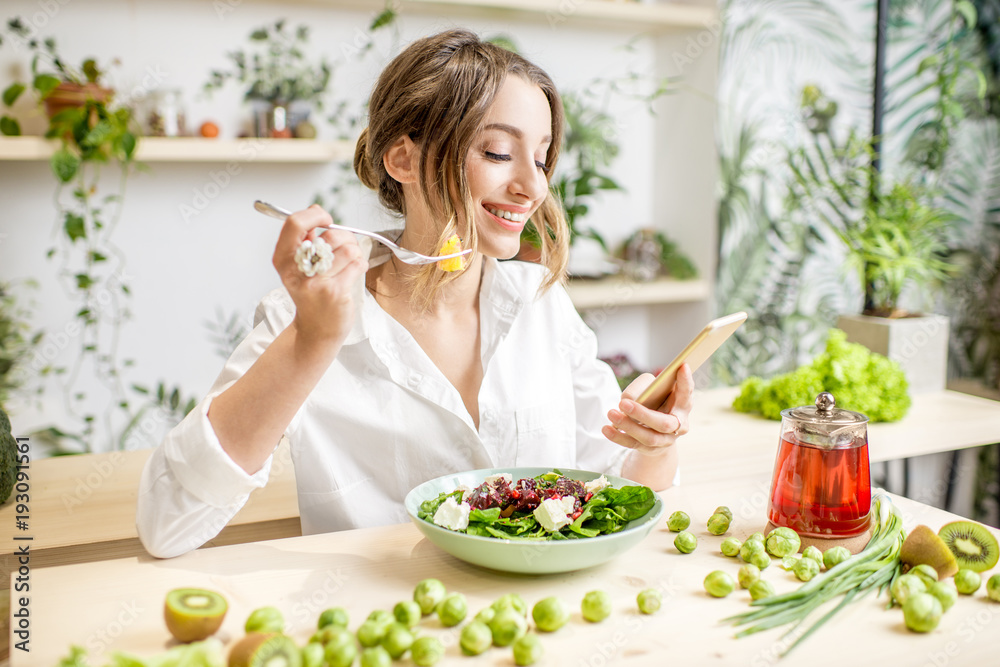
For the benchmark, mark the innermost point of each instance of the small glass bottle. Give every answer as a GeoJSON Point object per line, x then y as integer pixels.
{"type": "Point", "coordinates": [166, 117]}
{"type": "Point", "coordinates": [642, 256]}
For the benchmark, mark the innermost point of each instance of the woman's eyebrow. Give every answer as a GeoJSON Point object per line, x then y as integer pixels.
{"type": "Point", "coordinates": [514, 131]}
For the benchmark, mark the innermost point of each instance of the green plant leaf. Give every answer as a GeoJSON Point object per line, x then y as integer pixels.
{"type": "Point", "coordinates": [9, 127]}
{"type": "Point", "coordinates": [64, 165]}
{"type": "Point", "coordinates": [128, 145]}
{"type": "Point", "coordinates": [90, 70]}
{"type": "Point", "coordinates": [45, 84]}
{"type": "Point", "coordinates": [74, 226]}
{"type": "Point", "coordinates": [386, 17]}
{"type": "Point", "coordinates": [12, 92]}
{"type": "Point", "coordinates": [84, 281]}
{"type": "Point", "coordinates": [968, 12]}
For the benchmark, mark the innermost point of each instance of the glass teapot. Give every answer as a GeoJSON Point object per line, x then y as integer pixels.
{"type": "Point", "coordinates": [821, 486]}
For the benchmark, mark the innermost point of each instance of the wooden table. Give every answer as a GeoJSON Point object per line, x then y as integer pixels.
{"type": "Point", "coordinates": [725, 444]}
{"type": "Point", "coordinates": [83, 509]}
{"type": "Point", "coordinates": [117, 605]}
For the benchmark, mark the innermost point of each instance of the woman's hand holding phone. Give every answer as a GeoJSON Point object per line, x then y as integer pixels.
{"type": "Point", "coordinates": [649, 431]}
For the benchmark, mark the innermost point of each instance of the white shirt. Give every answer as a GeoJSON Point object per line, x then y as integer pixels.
{"type": "Point", "coordinates": [384, 419]}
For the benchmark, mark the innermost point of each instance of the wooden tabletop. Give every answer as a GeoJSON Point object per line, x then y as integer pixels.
{"type": "Point", "coordinates": [83, 508]}
{"type": "Point", "coordinates": [723, 443]}
{"type": "Point", "coordinates": [117, 605]}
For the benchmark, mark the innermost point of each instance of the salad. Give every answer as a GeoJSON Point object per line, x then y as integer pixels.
{"type": "Point", "coordinates": [547, 507]}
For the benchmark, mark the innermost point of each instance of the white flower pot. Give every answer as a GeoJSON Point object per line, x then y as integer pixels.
{"type": "Point", "coordinates": [919, 344]}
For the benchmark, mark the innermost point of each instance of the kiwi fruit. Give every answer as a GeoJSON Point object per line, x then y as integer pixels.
{"type": "Point", "coordinates": [923, 547]}
{"type": "Point", "coordinates": [974, 546]}
{"type": "Point", "coordinates": [193, 614]}
{"type": "Point", "coordinates": [272, 649]}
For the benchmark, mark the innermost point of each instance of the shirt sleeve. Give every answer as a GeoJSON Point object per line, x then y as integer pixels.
{"type": "Point", "coordinates": [190, 488]}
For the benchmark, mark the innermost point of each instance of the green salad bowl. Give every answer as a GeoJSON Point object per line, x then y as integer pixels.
{"type": "Point", "coordinates": [527, 556]}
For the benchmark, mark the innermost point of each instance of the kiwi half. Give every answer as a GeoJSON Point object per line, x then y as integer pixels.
{"type": "Point", "coordinates": [974, 546]}
{"type": "Point", "coordinates": [923, 547]}
{"type": "Point", "coordinates": [192, 614]}
{"type": "Point", "coordinates": [265, 649]}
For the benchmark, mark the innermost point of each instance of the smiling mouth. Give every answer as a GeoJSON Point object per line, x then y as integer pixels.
{"type": "Point", "coordinates": [506, 219]}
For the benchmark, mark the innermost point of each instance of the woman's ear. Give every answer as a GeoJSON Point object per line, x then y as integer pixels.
{"type": "Point", "coordinates": [402, 160]}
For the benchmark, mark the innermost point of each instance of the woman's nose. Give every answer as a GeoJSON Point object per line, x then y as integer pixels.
{"type": "Point", "coordinates": [529, 180]}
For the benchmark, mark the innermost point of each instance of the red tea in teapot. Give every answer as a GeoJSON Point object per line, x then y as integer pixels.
{"type": "Point", "coordinates": [821, 491]}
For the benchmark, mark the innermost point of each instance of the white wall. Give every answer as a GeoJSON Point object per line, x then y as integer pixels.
{"type": "Point", "coordinates": [182, 271]}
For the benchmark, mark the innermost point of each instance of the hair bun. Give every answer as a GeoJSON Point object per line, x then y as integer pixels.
{"type": "Point", "coordinates": [362, 163]}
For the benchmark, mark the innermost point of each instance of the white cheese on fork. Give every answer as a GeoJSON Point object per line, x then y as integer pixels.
{"type": "Point", "coordinates": [452, 515]}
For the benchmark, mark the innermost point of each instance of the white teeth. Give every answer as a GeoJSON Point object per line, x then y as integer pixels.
{"type": "Point", "coordinates": [507, 215]}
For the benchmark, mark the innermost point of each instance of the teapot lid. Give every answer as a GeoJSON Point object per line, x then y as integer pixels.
{"type": "Point", "coordinates": [825, 412]}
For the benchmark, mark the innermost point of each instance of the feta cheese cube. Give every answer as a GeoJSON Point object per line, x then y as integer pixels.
{"type": "Point", "coordinates": [551, 513]}
{"type": "Point", "coordinates": [569, 503]}
{"type": "Point", "coordinates": [452, 515]}
{"type": "Point", "coordinates": [466, 491]}
{"type": "Point", "coordinates": [493, 479]}
{"type": "Point", "coordinates": [595, 485]}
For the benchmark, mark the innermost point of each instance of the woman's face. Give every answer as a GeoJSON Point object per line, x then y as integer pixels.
{"type": "Point", "coordinates": [506, 166]}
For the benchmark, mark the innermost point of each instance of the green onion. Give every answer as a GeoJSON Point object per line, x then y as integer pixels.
{"type": "Point", "coordinates": [874, 569]}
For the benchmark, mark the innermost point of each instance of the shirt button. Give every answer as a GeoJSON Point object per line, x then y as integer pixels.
{"type": "Point", "coordinates": [413, 381]}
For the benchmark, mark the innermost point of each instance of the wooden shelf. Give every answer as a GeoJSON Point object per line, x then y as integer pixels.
{"type": "Point", "coordinates": [619, 291]}
{"type": "Point", "coordinates": [192, 149]}
{"type": "Point", "coordinates": [601, 13]}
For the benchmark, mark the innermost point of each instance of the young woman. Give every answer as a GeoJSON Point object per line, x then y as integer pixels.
{"type": "Point", "coordinates": [383, 375]}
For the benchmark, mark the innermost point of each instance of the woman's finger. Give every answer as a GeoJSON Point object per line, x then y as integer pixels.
{"type": "Point", "coordinates": [297, 228]}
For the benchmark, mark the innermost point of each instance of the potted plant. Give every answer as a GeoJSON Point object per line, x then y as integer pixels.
{"type": "Point", "coordinates": [93, 135]}
{"type": "Point", "coordinates": [276, 76]}
{"type": "Point", "coordinates": [895, 237]}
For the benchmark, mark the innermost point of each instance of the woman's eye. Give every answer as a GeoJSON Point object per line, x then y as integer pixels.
{"type": "Point", "coordinates": [497, 157]}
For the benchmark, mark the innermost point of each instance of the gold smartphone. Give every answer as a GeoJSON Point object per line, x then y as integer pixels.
{"type": "Point", "coordinates": [695, 354]}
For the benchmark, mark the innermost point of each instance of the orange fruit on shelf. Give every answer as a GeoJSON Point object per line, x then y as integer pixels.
{"type": "Point", "coordinates": [209, 130]}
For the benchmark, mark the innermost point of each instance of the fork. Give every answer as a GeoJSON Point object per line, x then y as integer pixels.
{"type": "Point", "coordinates": [404, 255]}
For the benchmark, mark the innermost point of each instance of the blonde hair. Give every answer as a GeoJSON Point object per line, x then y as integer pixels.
{"type": "Point", "coordinates": [437, 92]}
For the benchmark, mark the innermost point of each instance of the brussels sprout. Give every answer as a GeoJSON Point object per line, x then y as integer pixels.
{"type": "Point", "coordinates": [427, 594]}
{"type": "Point", "coordinates": [550, 614]}
{"type": "Point", "coordinates": [761, 589]}
{"type": "Point", "coordinates": [782, 542]}
{"type": "Point", "coordinates": [340, 649]}
{"type": "Point", "coordinates": [333, 616]}
{"type": "Point", "coordinates": [788, 562]}
{"type": "Point", "coordinates": [759, 537]}
{"type": "Point", "coordinates": [814, 553]}
{"type": "Point", "coordinates": [475, 638]}
{"type": "Point", "coordinates": [678, 521]}
{"type": "Point", "coordinates": [511, 601]}
{"type": "Point", "coordinates": [312, 655]}
{"type": "Point", "coordinates": [265, 619]}
{"type": "Point", "coordinates": [945, 592]}
{"type": "Point", "coordinates": [806, 569]}
{"type": "Point", "coordinates": [718, 524]}
{"type": "Point", "coordinates": [925, 573]}
{"type": "Point", "coordinates": [748, 574]}
{"type": "Point", "coordinates": [685, 542]}
{"type": "Point", "coordinates": [993, 588]}
{"type": "Point", "coordinates": [905, 586]}
{"type": "Point", "coordinates": [397, 640]}
{"type": "Point", "coordinates": [485, 615]}
{"type": "Point", "coordinates": [731, 547]}
{"type": "Point", "coordinates": [967, 581]}
{"type": "Point", "coordinates": [452, 610]}
{"type": "Point", "coordinates": [329, 633]}
{"type": "Point", "coordinates": [527, 650]}
{"type": "Point", "coordinates": [760, 559]}
{"type": "Point", "coordinates": [834, 556]}
{"type": "Point", "coordinates": [922, 612]}
{"type": "Point", "coordinates": [749, 548]}
{"type": "Point", "coordinates": [407, 612]}
{"type": "Point", "coordinates": [722, 509]}
{"type": "Point", "coordinates": [596, 606]}
{"type": "Point", "coordinates": [381, 616]}
{"type": "Point", "coordinates": [719, 584]}
{"type": "Point", "coordinates": [426, 651]}
{"type": "Point", "coordinates": [375, 656]}
{"type": "Point", "coordinates": [649, 601]}
{"type": "Point", "coordinates": [370, 632]}
{"type": "Point", "coordinates": [507, 625]}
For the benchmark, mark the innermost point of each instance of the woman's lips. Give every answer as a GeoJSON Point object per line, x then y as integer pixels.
{"type": "Point", "coordinates": [503, 222]}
